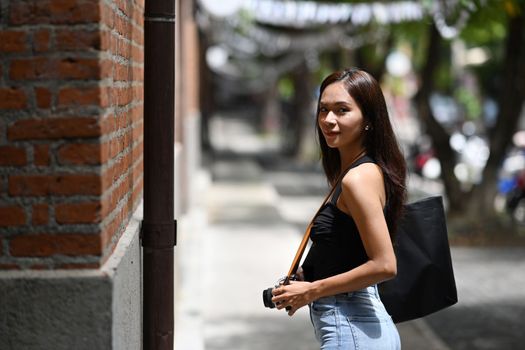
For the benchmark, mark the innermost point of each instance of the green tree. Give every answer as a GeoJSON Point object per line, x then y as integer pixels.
{"type": "Point", "coordinates": [478, 202]}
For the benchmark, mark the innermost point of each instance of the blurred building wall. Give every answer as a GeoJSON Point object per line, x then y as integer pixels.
{"type": "Point", "coordinates": [187, 113]}
{"type": "Point", "coordinates": [71, 144]}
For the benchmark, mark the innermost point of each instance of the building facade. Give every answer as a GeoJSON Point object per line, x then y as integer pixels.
{"type": "Point", "coordinates": [71, 168]}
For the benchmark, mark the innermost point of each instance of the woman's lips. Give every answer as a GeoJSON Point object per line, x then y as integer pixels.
{"type": "Point", "coordinates": [331, 133]}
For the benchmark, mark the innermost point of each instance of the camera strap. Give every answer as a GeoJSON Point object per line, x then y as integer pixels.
{"type": "Point", "coordinates": [304, 242]}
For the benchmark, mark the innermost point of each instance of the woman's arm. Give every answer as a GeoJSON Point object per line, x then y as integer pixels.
{"type": "Point", "coordinates": [363, 197]}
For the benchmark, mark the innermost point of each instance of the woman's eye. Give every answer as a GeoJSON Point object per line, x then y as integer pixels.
{"type": "Point", "coordinates": [323, 110]}
{"type": "Point", "coordinates": [343, 110]}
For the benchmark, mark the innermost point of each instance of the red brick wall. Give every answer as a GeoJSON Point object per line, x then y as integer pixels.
{"type": "Point", "coordinates": [71, 100]}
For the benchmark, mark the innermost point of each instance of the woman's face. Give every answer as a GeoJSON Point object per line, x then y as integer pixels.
{"type": "Point", "coordinates": [340, 118]}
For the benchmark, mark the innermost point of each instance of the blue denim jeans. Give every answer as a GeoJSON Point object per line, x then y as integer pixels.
{"type": "Point", "coordinates": [354, 320]}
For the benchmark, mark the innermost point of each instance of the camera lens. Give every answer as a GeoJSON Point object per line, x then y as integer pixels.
{"type": "Point", "coordinates": [267, 298]}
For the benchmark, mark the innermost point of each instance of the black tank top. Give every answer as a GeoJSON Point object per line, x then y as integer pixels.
{"type": "Point", "coordinates": [336, 244]}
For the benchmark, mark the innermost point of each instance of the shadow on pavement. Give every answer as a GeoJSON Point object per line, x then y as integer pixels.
{"type": "Point", "coordinates": [486, 326]}
{"type": "Point", "coordinates": [277, 332]}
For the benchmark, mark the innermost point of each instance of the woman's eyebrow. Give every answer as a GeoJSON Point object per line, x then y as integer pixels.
{"type": "Point", "coordinates": [335, 103]}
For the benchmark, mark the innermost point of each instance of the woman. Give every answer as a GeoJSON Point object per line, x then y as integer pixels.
{"type": "Point", "coordinates": [352, 234]}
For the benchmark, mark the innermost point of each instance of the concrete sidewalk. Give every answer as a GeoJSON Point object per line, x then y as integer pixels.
{"type": "Point", "coordinates": [236, 242]}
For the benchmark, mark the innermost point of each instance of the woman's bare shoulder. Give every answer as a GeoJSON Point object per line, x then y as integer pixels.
{"type": "Point", "coordinates": [364, 175]}
{"type": "Point", "coordinates": [363, 186]}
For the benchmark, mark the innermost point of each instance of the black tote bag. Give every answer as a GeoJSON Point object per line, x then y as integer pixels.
{"type": "Point", "coordinates": [425, 279]}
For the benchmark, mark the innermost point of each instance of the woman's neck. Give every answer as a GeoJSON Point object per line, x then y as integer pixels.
{"type": "Point", "coordinates": [350, 156]}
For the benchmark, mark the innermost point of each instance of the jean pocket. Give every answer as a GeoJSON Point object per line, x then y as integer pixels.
{"type": "Point", "coordinates": [366, 319]}
{"type": "Point", "coordinates": [372, 332]}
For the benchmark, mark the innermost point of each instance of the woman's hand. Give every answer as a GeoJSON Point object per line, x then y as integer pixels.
{"type": "Point", "coordinates": [294, 295]}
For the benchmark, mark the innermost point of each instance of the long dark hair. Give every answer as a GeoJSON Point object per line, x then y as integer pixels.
{"type": "Point", "coordinates": [380, 142]}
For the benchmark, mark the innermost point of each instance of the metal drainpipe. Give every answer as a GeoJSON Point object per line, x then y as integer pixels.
{"type": "Point", "coordinates": [158, 230]}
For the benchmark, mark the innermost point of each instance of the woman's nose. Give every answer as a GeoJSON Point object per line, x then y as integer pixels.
{"type": "Point", "coordinates": [330, 118]}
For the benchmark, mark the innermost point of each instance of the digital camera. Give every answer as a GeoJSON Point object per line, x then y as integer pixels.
{"type": "Point", "coordinates": [267, 293]}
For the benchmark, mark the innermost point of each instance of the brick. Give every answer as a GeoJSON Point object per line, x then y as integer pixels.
{"type": "Point", "coordinates": [124, 96]}
{"type": "Point", "coordinates": [46, 68]}
{"type": "Point", "coordinates": [122, 72]}
{"type": "Point", "coordinates": [10, 155]}
{"type": "Point", "coordinates": [41, 155]}
{"type": "Point", "coordinates": [40, 214]}
{"type": "Point", "coordinates": [122, 25]}
{"type": "Point", "coordinates": [138, 16]}
{"type": "Point", "coordinates": [9, 267]}
{"type": "Point", "coordinates": [113, 173]}
{"type": "Point", "coordinates": [54, 12]}
{"type": "Point", "coordinates": [30, 185]}
{"type": "Point", "coordinates": [33, 68]}
{"type": "Point", "coordinates": [118, 194]}
{"type": "Point", "coordinates": [13, 41]}
{"type": "Point", "coordinates": [39, 267]}
{"type": "Point", "coordinates": [138, 92]}
{"type": "Point", "coordinates": [73, 40]}
{"type": "Point", "coordinates": [119, 46]}
{"type": "Point", "coordinates": [137, 151]}
{"type": "Point", "coordinates": [138, 36]}
{"type": "Point", "coordinates": [114, 147]}
{"type": "Point", "coordinates": [105, 40]}
{"type": "Point", "coordinates": [124, 6]}
{"type": "Point", "coordinates": [106, 69]}
{"type": "Point", "coordinates": [79, 68]}
{"type": "Point", "coordinates": [73, 96]}
{"type": "Point", "coordinates": [107, 16]}
{"type": "Point", "coordinates": [110, 231]}
{"type": "Point", "coordinates": [108, 124]}
{"type": "Point", "coordinates": [78, 213]}
{"type": "Point", "coordinates": [137, 54]}
{"type": "Point", "coordinates": [53, 128]}
{"type": "Point", "coordinates": [137, 194]}
{"type": "Point", "coordinates": [12, 216]}
{"type": "Point", "coordinates": [43, 97]}
{"type": "Point", "coordinates": [12, 98]}
{"type": "Point", "coordinates": [138, 73]}
{"type": "Point", "coordinates": [138, 131]}
{"type": "Point", "coordinates": [80, 154]}
{"type": "Point", "coordinates": [42, 245]}
{"type": "Point", "coordinates": [41, 39]}
{"type": "Point", "coordinates": [44, 185]}
{"type": "Point", "coordinates": [137, 113]}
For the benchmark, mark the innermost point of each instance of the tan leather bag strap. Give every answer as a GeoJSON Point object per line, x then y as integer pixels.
{"type": "Point", "coordinates": [306, 237]}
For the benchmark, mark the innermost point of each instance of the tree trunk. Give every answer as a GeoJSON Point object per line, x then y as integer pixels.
{"type": "Point", "coordinates": [512, 95]}
{"type": "Point", "coordinates": [206, 96]}
{"type": "Point", "coordinates": [300, 113]}
{"type": "Point", "coordinates": [440, 137]}
{"type": "Point", "coordinates": [376, 67]}
{"type": "Point", "coordinates": [271, 111]}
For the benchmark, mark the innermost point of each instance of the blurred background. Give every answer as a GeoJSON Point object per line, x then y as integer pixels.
{"type": "Point", "coordinates": [451, 71]}
{"type": "Point", "coordinates": [453, 75]}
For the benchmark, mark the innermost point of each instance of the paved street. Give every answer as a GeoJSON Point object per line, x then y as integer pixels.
{"type": "Point", "coordinates": [491, 309]}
